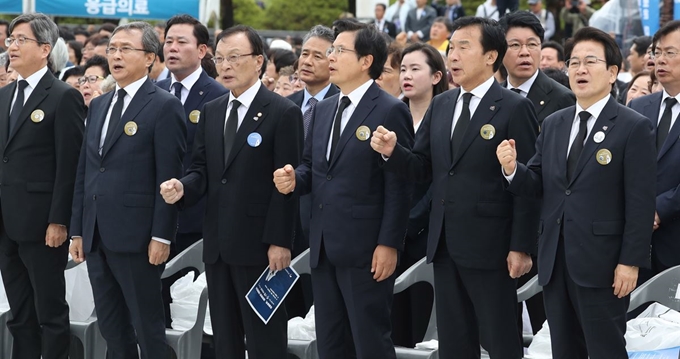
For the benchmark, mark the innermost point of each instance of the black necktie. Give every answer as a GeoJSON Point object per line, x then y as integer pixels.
{"type": "Point", "coordinates": [307, 116]}
{"type": "Point", "coordinates": [516, 90]}
{"type": "Point", "coordinates": [178, 90]}
{"type": "Point", "coordinates": [461, 125]}
{"type": "Point", "coordinates": [230, 130]}
{"type": "Point", "coordinates": [337, 123]}
{"type": "Point", "coordinates": [665, 123]}
{"type": "Point", "coordinates": [18, 106]}
{"type": "Point", "coordinates": [116, 113]}
{"type": "Point", "coordinates": [577, 146]}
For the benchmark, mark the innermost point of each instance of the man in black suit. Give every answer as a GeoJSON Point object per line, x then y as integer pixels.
{"type": "Point", "coordinates": [595, 168]}
{"type": "Point", "coordinates": [41, 129]}
{"type": "Point", "coordinates": [135, 139]}
{"type": "Point", "coordinates": [248, 224]}
{"type": "Point", "coordinates": [313, 71]}
{"type": "Point", "coordinates": [480, 236]}
{"type": "Point", "coordinates": [360, 212]}
{"type": "Point", "coordinates": [381, 23]}
{"type": "Point", "coordinates": [452, 10]}
{"type": "Point", "coordinates": [419, 21]}
{"type": "Point", "coordinates": [524, 33]}
{"type": "Point", "coordinates": [662, 108]}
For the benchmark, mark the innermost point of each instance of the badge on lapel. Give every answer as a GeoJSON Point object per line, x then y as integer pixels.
{"type": "Point", "coordinates": [254, 139]}
{"type": "Point", "coordinates": [363, 133]}
{"type": "Point", "coordinates": [194, 116]}
{"type": "Point", "coordinates": [603, 156]}
{"type": "Point", "coordinates": [131, 128]}
{"type": "Point", "coordinates": [487, 132]}
{"type": "Point", "coordinates": [37, 116]}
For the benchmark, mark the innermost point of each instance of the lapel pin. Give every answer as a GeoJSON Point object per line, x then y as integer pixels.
{"type": "Point", "coordinates": [259, 114]}
{"type": "Point", "coordinates": [542, 103]}
{"type": "Point", "coordinates": [603, 157]}
{"type": "Point", "coordinates": [200, 93]}
{"type": "Point", "coordinates": [487, 132]}
{"type": "Point", "coordinates": [599, 137]}
{"type": "Point", "coordinates": [37, 116]}
{"type": "Point", "coordinates": [492, 108]}
{"type": "Point", "coordinates": [604, 128]}
{"type": "Point", "coordinates": [256, 118]}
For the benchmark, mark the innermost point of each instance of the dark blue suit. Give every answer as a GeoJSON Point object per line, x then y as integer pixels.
{"type": "Point", "coordinates": [666, 239]}
{"type": "Point", "coordinates": [355, 207]}
{"type": "Point", "coordinates": [117, 208]}
{"type": "Point", "coordinates": [601, 218]}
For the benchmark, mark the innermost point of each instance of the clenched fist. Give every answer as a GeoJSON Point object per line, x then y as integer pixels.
{"type": "Point", "coordinates": [507, 156]}
{"type": "Point", "coordinates": [172, 191]}
{"type": "Point", "coordinates": [284, 179]}
{"type": "Point", "coordinates": [383, 141]}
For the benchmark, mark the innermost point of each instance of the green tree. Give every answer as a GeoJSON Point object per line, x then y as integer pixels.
{"type": "Point", "coordinates": [302, 14]}
{"type": "Point", "coordinates": [247, 12]}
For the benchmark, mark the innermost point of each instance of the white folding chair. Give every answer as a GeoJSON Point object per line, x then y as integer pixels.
{"type": "Point", "coordinates": [87, 331]}
{"type": "Point", "coordinates": [303, 349]}
{"type": "Point", "coordinates": [663, 288]}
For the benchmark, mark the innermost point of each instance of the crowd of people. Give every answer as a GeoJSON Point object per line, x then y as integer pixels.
{"type": "Point", "coordinates": [478, 144]}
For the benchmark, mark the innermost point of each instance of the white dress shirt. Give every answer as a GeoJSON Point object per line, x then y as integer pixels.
{"type": "Point", "coordinates": [526, 86]}
{"type": "Point", "coordinates": [477, 94]}
{"type": "Point", "coordinates": [354, 98]}
{"type": "Point", "coordinates": [33, 81]}
{"type": "Point", "coordinates": [187, 83]}
{"type": "Point", "coordinates": [246, 99]}
{"type": "Point", "coordinates": [674, 111]}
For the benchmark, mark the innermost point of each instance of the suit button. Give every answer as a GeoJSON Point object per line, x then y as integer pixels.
{"type": "Point", "coordinates": [224, 181]}
{"type": "Point", "coordinates": [94, 197]}
{"type": "Point", "coordinates": [451, 173]}
{"type": "Point", "coordinates": [5, 160]}
{"type": "Point", "coordinates": [102, 169]}
{"type": "Point", "coordinates": [559, 220]}
{"type": "Point", "coordinates": [321, 206]}
{"type": "Point", "coordinates": [443, 202]}
{"type": "Point", "coordinates": [567, 192]}
{"type": "Point", "coordinates": [329, 177]}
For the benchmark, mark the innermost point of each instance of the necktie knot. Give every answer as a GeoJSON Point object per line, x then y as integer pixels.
{"type": "Point", "coordinates": [22, 85]}
{"type": "Point", "coordinates": [177, 86]}
{"type": "Point", "coordinates": [344, 102]}
{"type": "Point", "coordinates": [516, 90]}
{"type": "Point", "coordinates": [235, 105]}
{"type": "Point", "coordinates": [584, 116]}
{"type": "Point", "coordinates": [466, 98]}
{"type": "Point", "coordinates": [121, 94]}
{"type": "Point", "coordinates": [670, 102]}
{"type": "Point", "coordinates": [312, 102]}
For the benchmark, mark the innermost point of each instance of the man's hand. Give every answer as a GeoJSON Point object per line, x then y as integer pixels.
{"type": "Point", "coordinates": [625, 280]}
{"type": "Point", "coordinates": [383, 141]}
{"type": "Point", "coordinates": [657, 221]}
{"type": "Point", "coordinates": [76, 250]}
{"type": "Point", "coordinates": [519, 264]}
{"type": "Point", "coordinates": [279, 258]}
{"type": "Point", "coordinates": [401, 38]}
{"type": "Point", "coordinates": [507, 156]}
{"type": "Point", "coordinates": [158, 252]}
{"type": "Point", "coordinates": [55, 235]}
{"type": "Point", "coordinates": [172, 191]}
{"type": "Point", "coordinates": [384, 262]}
{"type": "Point", "coordinates": [284, 179]}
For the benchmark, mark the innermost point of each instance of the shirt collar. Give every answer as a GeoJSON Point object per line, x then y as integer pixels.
{"type": "Point", "coordinates": [526, 86]}
{"type": "Point", "coordinates": [132, 88]}
{"type": "Point", "coordinates": [319, 96]}
{"type": "Point", "coordinates": [34, 78]}
{"type": "Point", "coordinates": [666, 95]}
{"type": "Point", "coordinates": [595, 109]}
{"type": "Point", "coordinates": [480, 90]}
{"type": "Point", "coordinates": [356, 95]}
{"type": "Point", "coordinates": [188, 81]}
{"type": "Point", "coordinates": [247, 97]}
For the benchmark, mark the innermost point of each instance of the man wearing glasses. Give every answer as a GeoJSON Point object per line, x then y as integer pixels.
{"type": "Point", "coordinates": [41, 130]}
{"type": "Point", "coordinates": [241, 139]}
{"type": "Point", "coordinates": [120, 225]}
{"type": "Point", "coordinates": [595, 169]}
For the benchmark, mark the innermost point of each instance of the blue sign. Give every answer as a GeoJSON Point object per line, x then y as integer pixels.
{"type": "Point", "coordinates": [111, 9]}
{"type": "Point", "coordinates": [671, 353]}
{"type": "Point", "coordinates": [676, 10]}
{"type": "Point", "coordinates": [11, 7]}
{"type": "Point", "coordinates": [649, 14]}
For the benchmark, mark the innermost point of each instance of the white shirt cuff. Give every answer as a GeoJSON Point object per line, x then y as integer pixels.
{"type": "Point", "coordinates": [511, 176]}
{"type": "Point", "coordinates": [164, 241]}
{"type": "Point", "coordinates": [409, 34]}
{"type": "Point", "coordinates": [420, 34]}
{"type": "Point", "coordinates": [385, 158]}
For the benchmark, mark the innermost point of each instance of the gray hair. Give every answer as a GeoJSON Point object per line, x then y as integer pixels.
{"type": "Point", "coordinates": [150, 41]}
{"type": "Point", "coordinates": [4, 58]}
{"type": "Point", "coordinates": [44, 29]}
{"type": "Point", "coordinates": [320, 31]}
{"type": "Point", "coordinates": [59, 55]}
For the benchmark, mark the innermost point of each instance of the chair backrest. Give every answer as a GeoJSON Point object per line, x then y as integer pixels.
{"type": "Point", "coordinates": [301, 263]}
{"type": "Point", "coordinates": [529, 289]}
{"type": "Point", "coordinates": [420, 272]}
{"type": "Point", "coordinates": [663, 288]}
{"type": "Point", "coordinates": [191, 257]}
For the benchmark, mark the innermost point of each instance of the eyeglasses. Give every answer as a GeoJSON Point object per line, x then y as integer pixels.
{"type": "Point", "coordinates": [91, 79]}
{"type": "Point", "coordinates": [531, 46]}
{"type": "Point", "coordinates": [668, 54]}
{"type": "Point", "coordinates": [20, 41]}
{"type": "Point", "coordinates": [589, 61]}
{"type": "Point", "coordinates": [293, 78]}
{"type": "Point", "coordinates": [125, 50]}
{"type": "Point", "coordinates": [231, 58]}
{"type": "Point", "coordinates": [338, 50]}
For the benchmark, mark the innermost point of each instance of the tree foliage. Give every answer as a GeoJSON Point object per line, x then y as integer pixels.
{"type": "Point", "coordinates": [247, 12]}
{"type": "Point", "coordinates": [302, 14]}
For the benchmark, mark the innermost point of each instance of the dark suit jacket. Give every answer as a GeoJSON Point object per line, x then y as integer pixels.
{"type": "Point", "coordinates": [666, 239]}
{"type": "Point", "coordinates": [204, 90]}
{"type": "Point", "coordinates": [355, 204]}
{"type": "Point", "coordinates": [424, 24]}
{"type": "Point", "coordinates": [119, 190]}
{"type": "Point", "coordinates": [299, 96]}
{"type": "Point", "coordinates": [39, 159]}
{"type": "Point", "coordinates": [548, 96]}
{"type": "Point", "coordinates": [606, 211]}
{"type": "Point", "coordinates": [389, 28]}
{"type": "Point", "coordinates": [481, 220]}
{"type": "Point", "coordinates": [458, 12]}
{"type": "Point", "coordinates": [245, 213]}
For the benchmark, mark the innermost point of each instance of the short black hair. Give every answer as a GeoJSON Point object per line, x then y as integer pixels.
{"type": "Point", "coordinates": [665, 30]}
{"type": "Point", "coordinates": [523, 19]}
{"type": "Point", "coordinates": [66, 34]}
{"type": "Point", "coordinates": [382, 5]}
{"type": "Point", "coordinates": [641, 44]}
{"type": "Point", "coordinates": [6, 23]}
{"type": "Point", "coordinates": [493, 38]}
{"type": "Point", "coordinates": [558, 75]}
{"type": "Point", "coordinates": [109, 27]}
{"type": "Point", "coordinates": [77, 49]}
{"type": "Point", "coordinates": [99, 61]}
{"type": "Point", "coordinates": [557, 47]}
{"type": "Point", "coordinates": [367, 41]}
{"type": "Point", "coordinates": [97, 40]}
{"type": "Point", "coordinates": [282, 58]}
{"type": "Point", "coordinates": [255, 40]}
{"type": "Point", "coordinates": [81, 31]}
{"type": "Point", "coordinates": [73, 71]}
{"type": "Point", "coordinates": [208, 65]}
{"type": "Point", "coordinates": [446, 21]}
{"type": "Point", "coordinates": [612, 53]}
{"type": "Point", "coordinates": [200, 31]}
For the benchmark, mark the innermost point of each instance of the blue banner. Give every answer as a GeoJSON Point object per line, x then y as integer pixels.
{"type": "Point", "coordinates": [11, 6]}
{"type": "Point", "coordinates": [111, 9]}
{"type": "Point", "coordinates": [649, 14]}
{"type": "Point", "coordinates": [676, 9]}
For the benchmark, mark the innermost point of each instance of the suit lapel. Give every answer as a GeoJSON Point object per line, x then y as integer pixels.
{"type": "Point", "coordinates": [539, 93]}
{"type": "Point", "coordinates": [324, 123]}
{"type": "Point", "coordinates": [254, 117]}
{"type": "Point", "coordinates": [214, 129]}
{"type": "Point", "coordinates": [447, 122]}
{"type": "Point", "coordinates": [98, 118]}
{"type": "Point", "coordinates": [5, 104]}
{"type": "Point", "coordinates": [40, 92]}
{"type": "Point", "coordinates": [198, 92]}
{"type": "Point", "coordinates": [562, 134]}
{"type": "Point", "coordinates": [142, 97]}
{"type": "Point", "coordinates": [486, 110]}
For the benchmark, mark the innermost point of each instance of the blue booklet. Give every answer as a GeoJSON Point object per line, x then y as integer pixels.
{"type": "Point", "coordinates": [267, 294]}
{"type": "Point", "coordinates": [672, 353]}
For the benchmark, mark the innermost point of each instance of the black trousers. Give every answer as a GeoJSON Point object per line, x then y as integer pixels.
{"type": "Point", "coordinates": [128, 303]}
{"type": "Point", "coordinates": [33, 276]}
{"type": "Point", "coordinates": [584, 322]}
{"type": "Point", "coordinates": [232, 318]}
{"type": "Point", "coordinates": [474, 306]}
